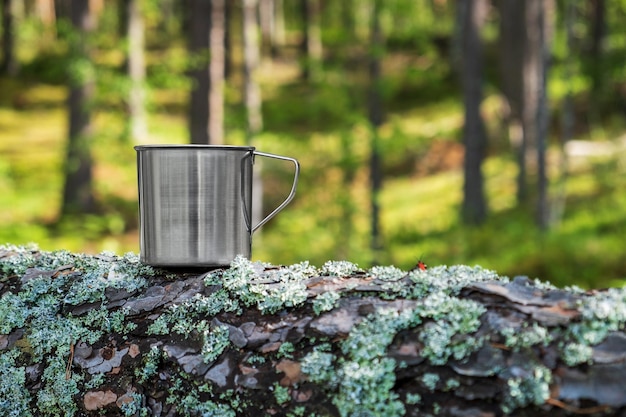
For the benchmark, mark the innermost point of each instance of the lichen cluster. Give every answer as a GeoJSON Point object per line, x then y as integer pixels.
{"type": "Point", "coordinates": [434, 320]}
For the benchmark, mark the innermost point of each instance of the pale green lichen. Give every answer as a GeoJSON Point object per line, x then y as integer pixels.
{"type": "Point", "coordinates": [532, 386]}
{"type": "Point", "coordinates": [243, 283]}
{"type": "Point", "coordinates": [286, 350]}
{"type": "Point", "coordinates": [364, 366]}
{"type": "Point", "coordinates": [413, 399]}
{"type": "Point", "coordinates": [48, 332]}
{"type": "Point", "coordinates": [134, 407]}
{"type": "Point", "coordinates": [190, 405]}
{"type": "Point", "coordinates": [451, 317]}
{"type": "Point", "coordinates": [151, 362]}
{"type": "Point", "coordinates": [430, 380]}
{"type": "Point", "coordinates": [526, 336]}
{"type": "Point", "coordinates": [281, 394]}
{"type": "Point", "coordinates": [56, 398]}
{"type": "Point", "coordinates": [215, 341]}
{"type": "Point", "coordinates": [448, 279]}
{"type": "Point", "coordinates": [576, 353]}
{"type": "Point", "coordinates": [339, 268]}
{"type": "Point", "coordinates": [387, 273]}
{"type": "Point", "coordinates": [14, 397]}
{"type": "Point", "coordinates": [325, 301]}
{"type": "Point", "coordinates": [601, 313]}
{"type": "Point", "coordinates": [357, 373]}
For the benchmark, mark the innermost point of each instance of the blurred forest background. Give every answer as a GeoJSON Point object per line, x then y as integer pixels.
{"type": "Point", "coordinates": [486, 132]}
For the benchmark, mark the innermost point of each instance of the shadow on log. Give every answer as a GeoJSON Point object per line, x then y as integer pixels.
{"type": "Point", "coordinates": [107, 336]}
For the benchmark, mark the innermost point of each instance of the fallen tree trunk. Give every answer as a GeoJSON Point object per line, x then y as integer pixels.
{"type": "Point", "coordinates": [105, 335]}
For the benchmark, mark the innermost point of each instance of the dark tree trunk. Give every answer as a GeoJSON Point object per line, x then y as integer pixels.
{"type": "Point", "coordinates": [376, 116]}
{"type": "Point", "coordinates": [199, 27]}
{"type": "Point", "coordinates": [511, 48]}
{"type": "Point", "coordinates": [206, 45]}
{"type": "Point", "coordinates": [474, 210]}
{"type": "Point", "coordinates": [598, 39]}
{"type": "Point", "coordinates": [90, 336]}
{"type": "Point", "coordinates": [78, 189]}
{"type": "Point", "coordinates": [9, 64]}
{"type": "Point", "coordinates": [544, 16]}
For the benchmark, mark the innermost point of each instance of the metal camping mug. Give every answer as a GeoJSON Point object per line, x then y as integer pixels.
{"type": "Point", "coordinates": [195, 203]}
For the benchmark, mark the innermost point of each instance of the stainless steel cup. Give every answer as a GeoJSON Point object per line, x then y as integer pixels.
{"type": "Point", "coordinates": [195, 203]}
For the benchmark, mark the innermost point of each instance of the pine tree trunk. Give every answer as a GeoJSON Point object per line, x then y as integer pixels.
{"type": "Point", "coordinates": [252, 98]}
{"type": "Point", "coordinates": [199, 27]}
{"type": "Point", "coordinates": [77, 192]}
{"type": "Point", "coordinates": [9, 64]}
{"type": "Point", "coordinates": [137, 118]}
{"type": "Point", "coordinates": [474, 209]}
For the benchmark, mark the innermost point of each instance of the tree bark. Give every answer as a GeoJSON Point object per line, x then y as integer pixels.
{"type": "Point", "coordinates": [105, 335]}
{"type": "Point", "coordinates": [206, 46]}
{"type": "Point", "coordinates": [77, 191]}
{"type": "Point", "coordinates": [217, 71]}
{"type": "Point", "coordinates": [376, 116]}
{"type": "Point", "coordinates": [199, 27]}
{"type": "Point", "coordinates": [137, 118]}
{"type": "Point", "coordinates": [474, 209]}
{"type": "Point", "coordinates": [9, 64]}
{"type": "Point", "coordinates": [252, 97]}
{"type": "Point", "coordinates": [312, 40]}
{"type": "Point", "coordinates": [511, 47]}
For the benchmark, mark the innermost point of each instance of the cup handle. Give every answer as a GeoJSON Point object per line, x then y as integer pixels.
{"type": "Point", "coordinates": [292, 193]}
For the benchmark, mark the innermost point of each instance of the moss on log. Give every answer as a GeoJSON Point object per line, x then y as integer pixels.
{"type": "Point", "coordinates": [105, 335]}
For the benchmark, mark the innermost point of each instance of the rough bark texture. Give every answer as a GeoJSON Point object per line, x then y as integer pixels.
{"type": "Point", "coordinates": [105, 335]}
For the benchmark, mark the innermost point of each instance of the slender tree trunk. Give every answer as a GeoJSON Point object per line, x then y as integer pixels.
{"type": "Point", "coordinates": [266, 20]}
{"type": "Point", "coordinates": [216, 68]}
{"type": "Point", "coordinates": [567, 114]}
{"type": "Point", "coordinates": [252, 98]}
{"type": "Point", "coordinates": [512, 45]}
{"type": "Point", "coordinates": [598, 40]}
{"type": "Point", "coordinates": [252, 92]}
{"type": "Point", "coordinates": [199, 26]}
{"type": "Point", "coordinates": [206, 46]}
{"type": "Point", "coordinates": [279, 27]}
{"type": "Point", "coordinates": [542, 213]}
{"type": "Point", "coordinates": [228, 50]}
{"type": "Point", "coordinates": [78, 192]}
{"type": "Point", "coordinates": [138, 125]}
{"type": "Point", "coordinates": [312, 40]}
{"type": "Point", "coordinates": [376, 116]}
{"type": "Point", "coordinates": [473, 14]}
{"type": "Point", "coordinates": [9, 63]}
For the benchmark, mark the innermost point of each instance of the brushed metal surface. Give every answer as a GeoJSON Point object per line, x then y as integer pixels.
{"type": "Point", "coordinates": [194, 202]}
